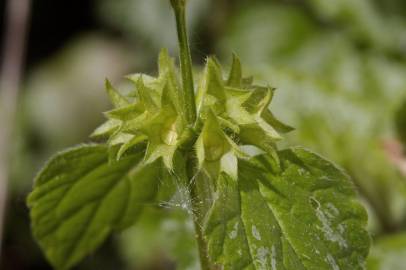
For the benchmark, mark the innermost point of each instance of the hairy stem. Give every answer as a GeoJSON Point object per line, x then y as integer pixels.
{"type": "Point", "coordinates": [197, 199]}
{"type": "Point", "coordinates": [189, 107]}
{"type": "Point", "coordinates": [189, 104]}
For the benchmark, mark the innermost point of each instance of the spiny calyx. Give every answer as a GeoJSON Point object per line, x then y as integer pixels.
{"type": "Point", "coordinates": [231, 112]}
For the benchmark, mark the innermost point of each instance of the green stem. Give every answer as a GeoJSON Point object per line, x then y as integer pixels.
{"type": "Point", "coordinates": [189, 107]}
{"type": "Point", "coordinates": [198, 218]}
{"type": "Point", "coordinates": [185, 62]}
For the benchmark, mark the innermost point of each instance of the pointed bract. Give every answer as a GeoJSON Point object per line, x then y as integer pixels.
{"type": "Point", "coordinates": [115, 97]}
{"type": "Point", "coordinates": [235, 76]}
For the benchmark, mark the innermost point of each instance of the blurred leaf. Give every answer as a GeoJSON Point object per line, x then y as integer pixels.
{"type": "Point", "coordinates": [364, 22]}
{"type": "Point", "coordinates": [388, 253]}
{"type": "Point", "coordinates": [267, 32]}
{"type": "Point", "coordinates": [401, 123]}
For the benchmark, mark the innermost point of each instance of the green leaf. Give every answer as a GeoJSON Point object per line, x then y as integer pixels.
{"type": "Point", "coordinates": [302, 215]}
{"type": "Point", "coordinates": [388, 253]}
{"type": "Point", "coordinates": [79, 198]}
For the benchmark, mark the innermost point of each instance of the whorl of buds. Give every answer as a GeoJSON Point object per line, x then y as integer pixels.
{"type": "Point", "coordinates": [232, 112]}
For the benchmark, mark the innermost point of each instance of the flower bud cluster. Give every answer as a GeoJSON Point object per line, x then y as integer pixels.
{"type": "Point", "coordinates": [231, 112]}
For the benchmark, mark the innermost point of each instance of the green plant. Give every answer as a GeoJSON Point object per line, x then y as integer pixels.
{"type": "Point", "coordinates": [288, 209]}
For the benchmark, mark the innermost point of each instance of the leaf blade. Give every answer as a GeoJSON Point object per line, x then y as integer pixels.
{"type": "Point", "coordinates": [79, 198]}
{"type": "Point", "coordinates": [282, 229]}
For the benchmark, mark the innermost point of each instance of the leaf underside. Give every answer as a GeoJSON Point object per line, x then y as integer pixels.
{"type": "Point", "coordinates": [301, 216]}
{"type": "Point", "coordinates": [79, 198]}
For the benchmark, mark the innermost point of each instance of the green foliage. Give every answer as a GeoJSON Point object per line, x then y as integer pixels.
{"type": "Point", "coordinates": [301, 215]}
{"type": "Point", "coordinates": [79, 198]}
{"type": "Point", "coordinates": [286, 209]}
{"type": "Point", "coordinates": [340, 97]}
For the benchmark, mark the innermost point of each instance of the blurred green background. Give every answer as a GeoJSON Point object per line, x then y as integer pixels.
{"type": "Point", "coordinates": [339, 67]}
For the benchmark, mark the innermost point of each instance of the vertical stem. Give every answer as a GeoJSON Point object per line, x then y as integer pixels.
{"type": "Point", "coordinates": [198, 195]}
{"type": "Point", "coordinates": [185, 62]}
{"type": "Point", "coordinates": [17, 15]}
{"type": "Point", "coordinates": [198, 221]}
{"type": "Point", "coordinates": [189, 107]}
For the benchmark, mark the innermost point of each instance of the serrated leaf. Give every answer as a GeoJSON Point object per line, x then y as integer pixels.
{"type": "Point", "coordinates": [302, 215]}
{"type": "Point", "coordinates": [79, 198]}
